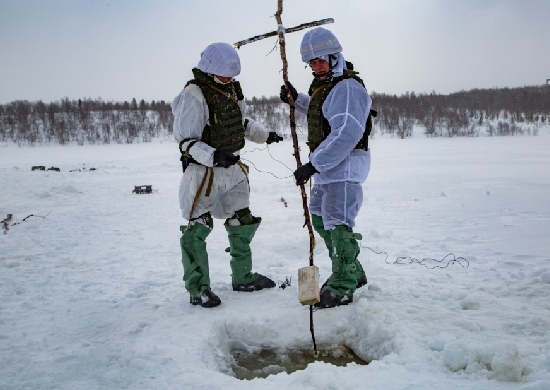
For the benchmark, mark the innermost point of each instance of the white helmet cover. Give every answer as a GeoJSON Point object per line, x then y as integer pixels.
{"type": "Point", "coordinates": [318, 42]}
{"type": "Point", "coordinates": [220, 59]}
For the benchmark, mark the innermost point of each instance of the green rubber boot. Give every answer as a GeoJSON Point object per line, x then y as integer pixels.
{"type": "Point", "coordinates": [345, 250]}
{"type": "Point", "coordinates": [317, 223]}
{"type": "Point", "coordinates": [195, 258]}
{"type": "Point", "coordinates": [240, 238]}
{"type": "Point", "coordinates": [243, 278]}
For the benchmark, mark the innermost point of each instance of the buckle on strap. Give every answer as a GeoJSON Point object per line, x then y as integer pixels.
{"type": "Point", "coordinates": [352, 235]}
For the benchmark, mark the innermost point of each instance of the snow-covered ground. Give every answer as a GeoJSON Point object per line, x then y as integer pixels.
{"type": "Point", "coordinates": [91, 295]}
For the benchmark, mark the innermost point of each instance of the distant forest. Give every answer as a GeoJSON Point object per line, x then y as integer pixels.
{"type": "Point", "coordinates": [491, 112]}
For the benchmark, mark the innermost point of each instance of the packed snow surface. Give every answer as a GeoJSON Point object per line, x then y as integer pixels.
{"type": "Point", "coordinates": [455, 245]}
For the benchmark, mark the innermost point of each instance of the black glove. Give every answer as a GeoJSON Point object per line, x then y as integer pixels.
{"type": "Point", "coordinates": [303, 173]}
{"type": "Point", "coordinates": [224, 159]}
{"type": "Point", "coordinates": [273, 137]}
{"type": "Point", "coordinates": [284, 93]}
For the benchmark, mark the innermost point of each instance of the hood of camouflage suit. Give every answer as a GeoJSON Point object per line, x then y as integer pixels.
{"type": "Point", "coordinates": [319, 43]}
{"type": "Point", "coordinates": [220, 59]}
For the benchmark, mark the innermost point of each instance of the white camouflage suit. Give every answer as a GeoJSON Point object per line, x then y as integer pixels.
{"type": "Point", "coordinates": [230, 189]}
{"type": "Point", "coordinates": [337, 194]}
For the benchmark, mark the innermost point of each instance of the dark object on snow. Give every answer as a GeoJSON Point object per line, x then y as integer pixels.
{"type": "Point", "coordinates": [146, 189]}
{"type": "Point", "coordinates": [6, 223]}
{"type": "Point", "coordinates": [82, 169]}
{"type": "Point", "coordinates": [38, 168]}
{"type": "Point", "coordinates": [54, 169]}
{"type": "Point", "coordinates": [286, 283]}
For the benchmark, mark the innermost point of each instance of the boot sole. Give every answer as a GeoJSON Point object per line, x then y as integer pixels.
{"type": "Point", "coordinates": [249, 289]}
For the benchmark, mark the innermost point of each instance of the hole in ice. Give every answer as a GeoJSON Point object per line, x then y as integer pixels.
{"type": "Point", "coordinates": [260, 363]}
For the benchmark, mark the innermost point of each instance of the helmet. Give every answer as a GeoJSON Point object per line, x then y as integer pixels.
{"type": "Point", "coordinates": [319, 42]}
{"type": "Point", "coordinates": [220, 59]}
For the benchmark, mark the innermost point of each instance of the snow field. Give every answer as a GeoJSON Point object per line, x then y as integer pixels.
{"type": "Point", "coordinates": [91, 293]}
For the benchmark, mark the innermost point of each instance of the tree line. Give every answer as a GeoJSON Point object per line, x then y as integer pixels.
{"type": "Point", "coordinates": [497, 111]}
{"type": "Point", "coordinates": [494, 112]}
{"type": "Point", "coordinates": [84, 121]}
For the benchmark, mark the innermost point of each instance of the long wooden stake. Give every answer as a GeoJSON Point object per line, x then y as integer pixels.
{"type": "Point", "coordinates": [281, 34]}
{"type": "Point", "coordinates": [282, 45]}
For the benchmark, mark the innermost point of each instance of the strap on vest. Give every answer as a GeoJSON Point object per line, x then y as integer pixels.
{"type": "Point", "coordinates": [318, 89]}
{"type": "Point", "coordinates": [226, 94]}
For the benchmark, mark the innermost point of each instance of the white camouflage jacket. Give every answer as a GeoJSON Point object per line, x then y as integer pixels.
{"type": "Point", "coordinates": [346, 108]}
{"type": "Point", "coordinates": [191, 115]}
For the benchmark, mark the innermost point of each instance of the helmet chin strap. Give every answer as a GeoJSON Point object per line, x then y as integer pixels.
{"type": "Point", "coordinates": [323, 76]}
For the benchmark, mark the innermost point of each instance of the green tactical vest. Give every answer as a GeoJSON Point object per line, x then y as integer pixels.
{"type": "Point", "coordinates": [225, 131]}
{"type": "Point", "coordinates": [317, 125]}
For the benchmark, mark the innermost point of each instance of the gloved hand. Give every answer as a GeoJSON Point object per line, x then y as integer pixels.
{"type": "Point", "coordinates": [273, 137]}
{"type": "Point", "coordinates": [284, 92]}
{"type": "Point", "coordinates": [303, 173]}
{"type": "Point", "coordinates": [225, 159]}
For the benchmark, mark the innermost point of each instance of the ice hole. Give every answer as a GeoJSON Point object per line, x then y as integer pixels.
{"type": "Point", "coordinates": [262, 362]}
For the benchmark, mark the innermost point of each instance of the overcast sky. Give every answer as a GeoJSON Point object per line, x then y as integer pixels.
{"type": "Point", "coordinates": [121, 49]}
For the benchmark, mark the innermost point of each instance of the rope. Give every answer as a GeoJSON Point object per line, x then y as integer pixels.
{"type": "Point", "coordinates": [6, 222]}
{"type": "Point", "coordinates": [273, 158]}
{"type": "Point", "coordinates": [447, 260]}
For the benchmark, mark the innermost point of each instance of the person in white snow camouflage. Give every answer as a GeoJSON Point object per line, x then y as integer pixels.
{"type": "Point", "coordinates": [211, 129]}
{"type": "Point", "coordinates": [337, 108]}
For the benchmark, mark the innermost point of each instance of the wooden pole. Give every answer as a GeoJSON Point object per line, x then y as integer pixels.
{"type": "Point", "coordinates": [313, 272]}
{"type": "Point", "coordinates": [282, 46]}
